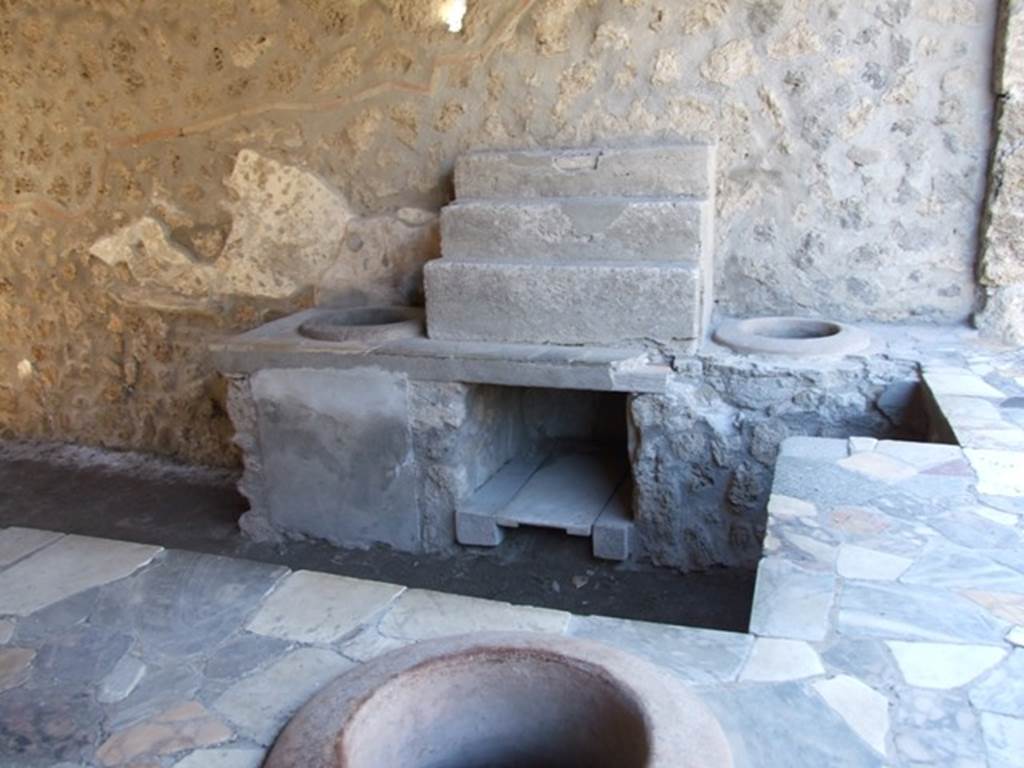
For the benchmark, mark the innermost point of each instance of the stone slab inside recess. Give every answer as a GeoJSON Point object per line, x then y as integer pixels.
{"type": "Point", "coordinates": [576, 488]}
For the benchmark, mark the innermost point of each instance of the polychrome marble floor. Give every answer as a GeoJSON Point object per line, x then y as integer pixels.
{"type": "Point", "coordinates": [887, 625]}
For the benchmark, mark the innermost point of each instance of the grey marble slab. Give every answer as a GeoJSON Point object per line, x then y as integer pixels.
{"type": "Point", "coordinates": [899, 611]}
{"type": "Point", "coordinates": [784, 725]}
{"type": "Point", "coordinates": [695, 655]}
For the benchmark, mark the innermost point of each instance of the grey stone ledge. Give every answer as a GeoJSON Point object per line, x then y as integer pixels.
{"type": "Point", "coordinates": [668, 169]}
{"type": "Point", "coordinates": [601, 368]}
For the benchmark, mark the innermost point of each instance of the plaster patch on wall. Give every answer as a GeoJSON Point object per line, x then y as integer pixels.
{"type": "Point", "coordinates": [666, 67]}
{"type": "Point", "coordinates": [287, 227]}
{"type": "Point", "coordinates": [154, 260]}
{"type": "Point", "coordinates": [702, 16]}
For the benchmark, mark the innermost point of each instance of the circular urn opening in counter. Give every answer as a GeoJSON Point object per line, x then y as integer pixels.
{"type": "Point", "coordinates": [795, 336]}
{"type": "Point", "coordinates": [365, 324]}
{"type": "Point", "coordinates": [499, 707]}
{"type": "Point", "coordinates": [503, 700]}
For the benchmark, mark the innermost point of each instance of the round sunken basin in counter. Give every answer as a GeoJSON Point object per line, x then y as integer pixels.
{"type": "Point", "coordinates": [793, 336]}
{"type": "Point", "coordinates": [365, 324]}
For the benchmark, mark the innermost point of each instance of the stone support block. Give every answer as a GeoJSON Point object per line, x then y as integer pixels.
{"type": "Point", "coordinates": [612, 537]}
{"type": "Point", "coordinates": [1002, 261]}
{"type": "Point", "coordinates": [563, 303]}
{"type": "Point", "coordinates": [680, 169]}
{"type": "Point", "coordinates": [337, 456]}
{"type": "Point", "coordinates": [599, 229]}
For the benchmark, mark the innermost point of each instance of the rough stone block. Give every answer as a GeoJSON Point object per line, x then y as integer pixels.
{"type": "Point", "coordinates": [1003, 315]}
{"type": "Point", "coordinates": [601, 229]}
{"type": "Point", "coordinates": [1002, 261]}
{"type": "Point", "coordinates": [679, 169]}
{"type": "Point", "coordinates": [1010, 59]}
{"type": "Point", "coordinates": [570, 303]}
{"type": "Point", "coordinates": [337, 455]}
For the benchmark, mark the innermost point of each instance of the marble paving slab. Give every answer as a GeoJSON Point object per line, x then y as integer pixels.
{"type": "Point", "coordinates": [68, 566]}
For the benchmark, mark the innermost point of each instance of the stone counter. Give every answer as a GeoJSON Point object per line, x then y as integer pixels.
{"type": "Point", "coordinates": [702, 429]}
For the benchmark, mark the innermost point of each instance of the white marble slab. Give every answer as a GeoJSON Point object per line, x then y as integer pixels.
{"type": "Point", "coordinates": [262, 703]}
{"type": "Point", "coordinates": [863, 708]}
{"type": "Point", "coordinates": [943, 665]}
{"type": "Point", "coordinates": [776, 660]}
{"type": "Point", "coordinates": [223, 758]}
{"type": "Point", "coordinates": [857, 562]}
{"type": "Point", "coordinates": [960, 382]}
{"type": "Point", "coordinates": [422, 614]}
{"type": "Point", "coordinates": [1004, 740]}
{"type": "Point", "coordinates": [310, 607]}
{"type": "Point", "coordinates": [16, 543]}
{"type": "Point", "coordinates": [1000, 473]}
{"type": "Point", "coordinates": [1002, 690]}
{"type": "Point", "coordinates": [695, 655]}
{"type": "Point", "coordinates": [791, 602]}
{"type": "Point", "coordinates": [878, 466]}
{"type": "Point", "coordinates": [66, 567]}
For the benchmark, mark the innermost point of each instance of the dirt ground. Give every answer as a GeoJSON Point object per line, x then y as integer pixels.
{"type": "Point", "coordinates": [199, 513]}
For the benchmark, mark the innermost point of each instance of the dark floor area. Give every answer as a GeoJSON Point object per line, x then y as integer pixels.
{"type": "Point", "coordinates": [532, 568]}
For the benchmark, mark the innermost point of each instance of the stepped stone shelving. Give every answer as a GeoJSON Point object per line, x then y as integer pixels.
{"type": "Point", "coordinates": [576, 247]}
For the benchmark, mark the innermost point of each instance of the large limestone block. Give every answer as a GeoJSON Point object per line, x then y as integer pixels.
{"type": "Point", "coordinates": [564, 303]}
{"type": "Point", "coordinates": [678, 169]}
{"type": "Point", "coordinates": [604, 229]}
{"type": "Point", "coordinates": [337, 455]}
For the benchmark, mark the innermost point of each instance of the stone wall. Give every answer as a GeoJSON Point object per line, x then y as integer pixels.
{"type": "Point", "coordinates": [1002, 259]}
{"type": "Point", "coordinates": [170, 171]}
{"type": "Point", "coordinates": [703, 453]}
